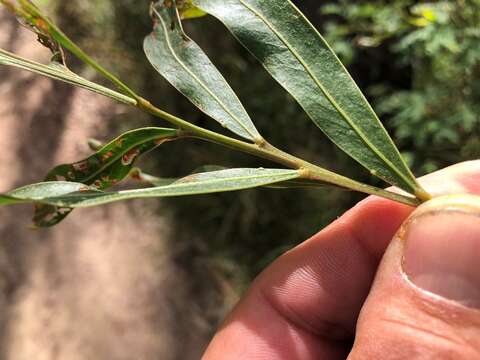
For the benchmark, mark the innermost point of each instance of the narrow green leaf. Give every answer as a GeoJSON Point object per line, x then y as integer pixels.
{"type": "Point", "coordinates": [138, 174]}
{"type": "Point", "coordinates": [113, 161]}
{"type": "Point", "coordinates": [105, 168]}
{"type": "Point", "coordinates": [183, 63]}
{"type": "Point", "coordinates": [60, 72]}
{"type": "Point", "coordinates": [296, 55]}
{"type": "Point", "coordinates": [66, 195]}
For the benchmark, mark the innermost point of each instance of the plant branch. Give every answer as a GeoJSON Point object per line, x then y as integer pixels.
{"type": "Point", "coordinates": [269, 152]}
{"type": "Point", "coordinates": [263, 149]}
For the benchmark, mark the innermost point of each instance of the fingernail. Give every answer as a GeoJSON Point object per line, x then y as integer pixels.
{"type": "Point", "coordinates": [442, 249]}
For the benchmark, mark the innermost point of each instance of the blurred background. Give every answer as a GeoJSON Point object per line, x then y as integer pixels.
{"type": "Point", "coordinates": [152, 279]}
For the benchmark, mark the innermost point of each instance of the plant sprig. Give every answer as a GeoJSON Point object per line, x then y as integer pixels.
{"type": "Point", "coordinates": [181, 50]}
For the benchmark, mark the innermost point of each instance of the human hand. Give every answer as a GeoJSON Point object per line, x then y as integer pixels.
{"type": "Point", "coordinates": [351, 291]}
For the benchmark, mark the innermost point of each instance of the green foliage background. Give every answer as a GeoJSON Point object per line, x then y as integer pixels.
{"type": "Point", "coordinates": [434, 49]}
{"type": "Point", "coordinates": [419, 63]}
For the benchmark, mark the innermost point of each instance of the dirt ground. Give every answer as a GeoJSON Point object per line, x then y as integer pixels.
{"type": "Point", "coordinates": [103, 284]}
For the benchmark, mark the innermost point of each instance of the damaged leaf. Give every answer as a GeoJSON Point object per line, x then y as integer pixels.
{"type": "Point", "coordinates": [105, 168]}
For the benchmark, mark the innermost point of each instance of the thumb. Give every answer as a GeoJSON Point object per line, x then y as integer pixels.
{"type": "Point", "coordinates": [425, 301]}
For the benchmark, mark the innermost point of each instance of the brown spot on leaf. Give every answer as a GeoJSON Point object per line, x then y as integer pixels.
{"type": "Point", "coordinates": [128, 158]}
{"type": "Point", "coordinates": [81, 166]}
{"type": "Point", "coordinates": [107, 156]}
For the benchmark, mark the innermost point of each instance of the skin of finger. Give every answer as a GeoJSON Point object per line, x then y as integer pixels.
{"type": "Point", "coordinates": [310, 297]}
{"type": "Point", "coordinates": [294, 303]}
{"type": "Point", "coordinates": [401, 321]}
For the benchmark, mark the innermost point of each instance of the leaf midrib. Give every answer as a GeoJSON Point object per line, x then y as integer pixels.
{"type": "Point", "coordinates": [329, 97]}
{"type": "Point", "coordinates": [224, 107]}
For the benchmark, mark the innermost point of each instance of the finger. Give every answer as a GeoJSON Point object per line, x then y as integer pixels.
{"type": "Point", "coordinates": [425, 302]}
{"type": "Point", "coordinates": [305, 305]}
